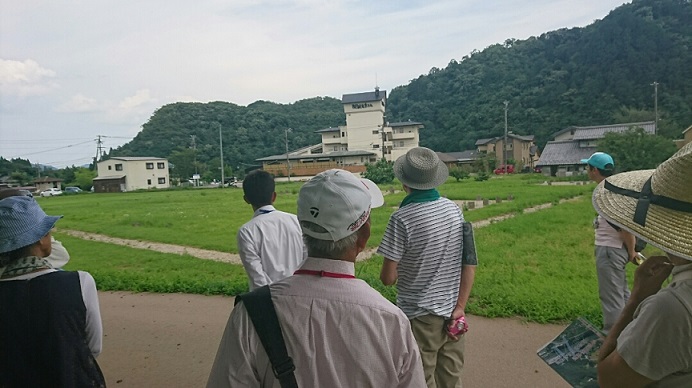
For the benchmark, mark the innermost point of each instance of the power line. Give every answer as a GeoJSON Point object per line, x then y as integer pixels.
{"type": "Point", "coordinates": [42, 140]}
{"type": "Point", "coordinates": [85, 159]}
{"type": "Point", "coordinates": [59, 148]}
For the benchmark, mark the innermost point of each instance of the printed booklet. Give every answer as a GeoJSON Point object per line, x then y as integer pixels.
{"type": "Point", "coordinates": [573, 354]}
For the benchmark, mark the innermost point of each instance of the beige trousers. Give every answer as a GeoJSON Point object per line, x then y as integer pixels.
{"type": "Point", "coordinates": [443, 358]}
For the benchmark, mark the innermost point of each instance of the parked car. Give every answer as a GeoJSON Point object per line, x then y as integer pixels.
{"type": "Point", "coordinates": [72, 190]}
{"type": "Point", "coordinates": [52, 192]}
{"type": "Point", "coordinates": [504, 169]}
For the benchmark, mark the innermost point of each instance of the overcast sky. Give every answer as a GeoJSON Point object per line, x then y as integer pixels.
{"type": "Point", "coordinates": [71, 70]}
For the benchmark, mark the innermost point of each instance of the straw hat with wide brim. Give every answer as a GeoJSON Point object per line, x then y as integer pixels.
{"type": "Point", "coordinates": [655, 205]}
{"type": "Point", "coordinates": [420, 169]}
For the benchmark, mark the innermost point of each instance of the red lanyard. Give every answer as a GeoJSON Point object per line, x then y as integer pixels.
{"type": "Point", "coordinates": [324, 274]}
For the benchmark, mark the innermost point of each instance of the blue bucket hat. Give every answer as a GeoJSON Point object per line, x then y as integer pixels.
{"type": "Point", "coordinates": [600, 160]}
{"type": "Point", "coordinates": [22, 223]}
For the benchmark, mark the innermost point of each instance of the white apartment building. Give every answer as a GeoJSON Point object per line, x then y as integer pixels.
{"type": "Point", "coordinates": [365, 138]}
{"type": "Point", "coordinates": [131, 173]}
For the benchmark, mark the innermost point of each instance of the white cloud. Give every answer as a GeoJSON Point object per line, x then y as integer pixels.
{"type": "Point", "coordinates": [141, 98]}
{"type": "Point", "coordinates": [79, 103]}
{"type": "Point", "coordinates": [119, 64]}
{"type": "Point", "coordinates": [26, 78]}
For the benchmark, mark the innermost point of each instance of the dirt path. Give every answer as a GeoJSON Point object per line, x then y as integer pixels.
{"type": "Point", "coordinates": [156, 246]}
{"type": "Point", "coordinates": [170, 340]}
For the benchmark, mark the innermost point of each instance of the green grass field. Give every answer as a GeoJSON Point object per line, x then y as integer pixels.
{"type": "Point", "coordinates": [210, 218]}
{"type": "Point", "coordinates": [538, 266]}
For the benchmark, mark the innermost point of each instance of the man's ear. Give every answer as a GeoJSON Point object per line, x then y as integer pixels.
{"type": "Point", "coordinates": [273, 197]}
{"type": "Point", "coordinates": [246, 201]}
{"type": "Point", "coordinates": [46, 245]}
{"type": "Point", "coordinates": [363, 236]}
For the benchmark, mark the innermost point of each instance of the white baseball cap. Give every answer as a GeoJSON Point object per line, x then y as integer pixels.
{"type": "Point", "coordinates": [338, 202]}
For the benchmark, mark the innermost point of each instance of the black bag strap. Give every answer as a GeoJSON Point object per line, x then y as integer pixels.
{"type": "Point", "coordinates": [260, 308]}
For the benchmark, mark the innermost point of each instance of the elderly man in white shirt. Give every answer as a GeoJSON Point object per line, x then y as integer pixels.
{"type": "Point", "coordinates": [338, 331]}
{"type": "Point", "coordinates": [271, 244]}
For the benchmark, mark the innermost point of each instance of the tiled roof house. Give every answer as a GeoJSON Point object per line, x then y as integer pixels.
{"type": "Point", "coordinates": [563, 155]}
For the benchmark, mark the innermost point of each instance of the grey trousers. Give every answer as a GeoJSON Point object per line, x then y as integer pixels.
{"type": "Point", "coordinates": [612, 282]}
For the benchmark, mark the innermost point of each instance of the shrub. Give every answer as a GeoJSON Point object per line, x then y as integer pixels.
{"type": "Point", "coordinates": [482, 176]}
{"type": "Point", "coordinates": [458, 173]}
{"type": "Point", "coordinates": [380, 172]}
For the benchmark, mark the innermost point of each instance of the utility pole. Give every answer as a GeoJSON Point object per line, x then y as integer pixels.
{"type": "Point", "coordinates": [504, 145]}
{"type": "Point", "coordinates": [288, 164]}
{"type": "Point", "coordinates": [223, 180]}
{"type": "Point", "coordinates": [194, 153]}
{"type": "Point", "coordinates": [99, 149]}
{"type": "Point", "coordinates": [655, 85]}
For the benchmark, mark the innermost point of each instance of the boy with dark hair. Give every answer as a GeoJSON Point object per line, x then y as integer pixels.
{"type": "Point", "coordinates": [614, 249]}
{"type": "Point", "coordinates": [258, 188]}
{"type": "Point", "coordinates": [271, 243]}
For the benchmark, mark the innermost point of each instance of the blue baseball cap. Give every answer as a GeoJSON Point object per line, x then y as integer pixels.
{"type": "Point", "coordinates": [600, 160]}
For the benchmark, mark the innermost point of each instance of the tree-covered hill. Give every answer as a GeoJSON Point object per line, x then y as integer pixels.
{"type": "Point", "coordinates": [248, 132]}
{"type": "Point", "coordinates": [599, 74]}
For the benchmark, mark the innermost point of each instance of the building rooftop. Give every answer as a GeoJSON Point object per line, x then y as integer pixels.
{"type": "Point", "coordinates": [403, 124]}
{"type": "Point", "coordinates": [591, 133]}
{"type": "Point", "coordinates": [46, 179]}
{"type": "Point", "coordinates": [330, 129]}
{"type": "Point", "coordinates": [509, 135]}
{"type": "Point", "coordinates": [108, 177]}
{"type": "Point", "coordinates": [558, 153]}
{"type": "Point", "coordinates": [375, 95]}
{"type": "Point", "coordinates": [134, 158]}
{"type": "Point", "coordinates": [334, 154]}
{"type": "Point", "coordinates": [599, 131]}
{"type": "Point", "coordinates": [484, 141]}
{"type": "Point", "coordinates": [465, 155]}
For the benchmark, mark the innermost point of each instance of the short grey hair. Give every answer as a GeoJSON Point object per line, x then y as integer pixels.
{"type": "Point", "coordinates": [326, 248]}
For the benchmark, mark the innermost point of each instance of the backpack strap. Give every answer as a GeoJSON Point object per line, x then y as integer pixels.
{"type": "Point", "coordinates": [260, 308]}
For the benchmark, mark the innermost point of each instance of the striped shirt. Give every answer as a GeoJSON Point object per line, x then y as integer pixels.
{"type": "Point", "coordinates": [425, 240]}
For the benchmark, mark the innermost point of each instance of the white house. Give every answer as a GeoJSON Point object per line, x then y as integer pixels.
{"type": "Point", "coordinates": [131, 173]}
{"type": "Point", "coordinates": [365, 138]}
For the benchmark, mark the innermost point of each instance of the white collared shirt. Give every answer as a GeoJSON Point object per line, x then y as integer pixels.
{"type": "Point", "coordinates": [270, 246]}
{"type": "Point", "coordinates": [339, 332]}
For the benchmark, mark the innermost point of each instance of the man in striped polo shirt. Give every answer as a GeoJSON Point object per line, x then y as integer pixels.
{"type": "Point", "coordinates": [422, 255]}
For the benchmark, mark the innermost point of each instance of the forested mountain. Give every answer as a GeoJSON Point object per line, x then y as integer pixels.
{"type": "Point", "coordinates": [599, 74]}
